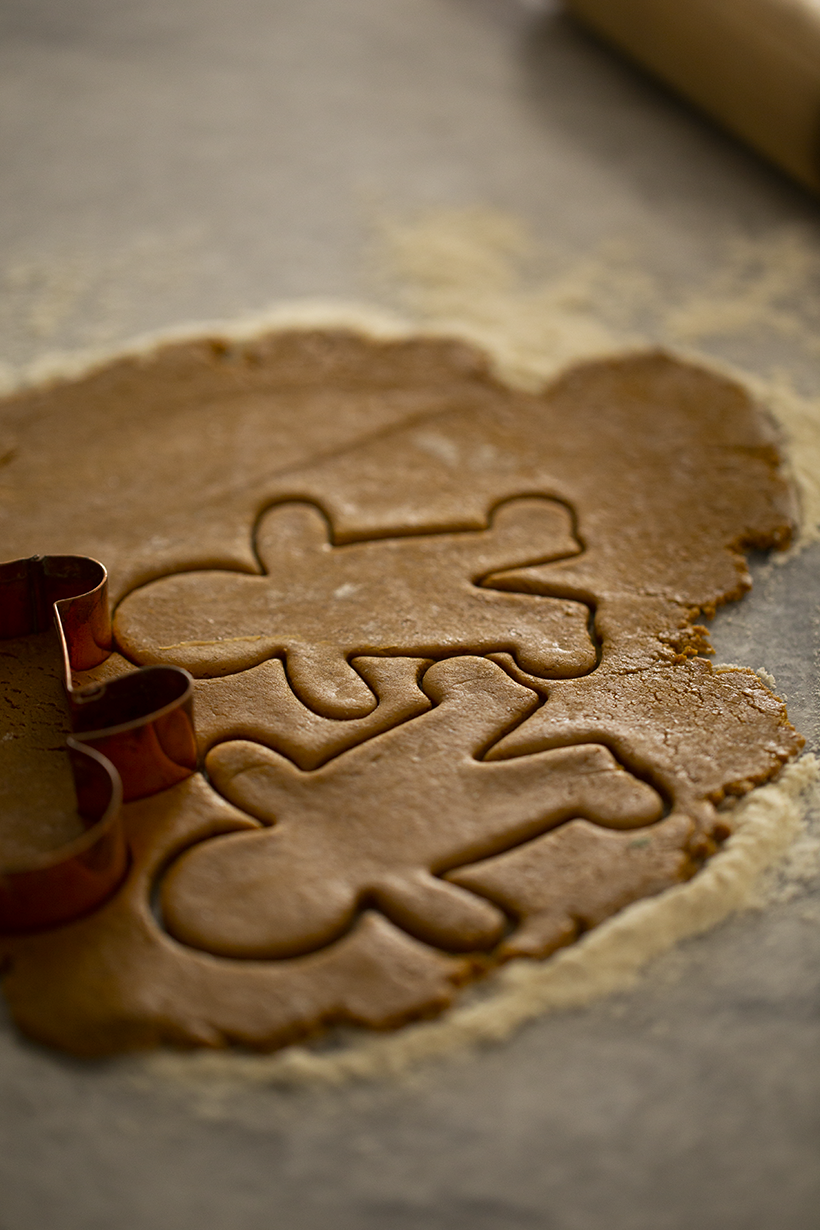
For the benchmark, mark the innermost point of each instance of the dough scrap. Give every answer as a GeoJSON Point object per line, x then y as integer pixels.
{"type": "Point", "coordinates": [468, 755]}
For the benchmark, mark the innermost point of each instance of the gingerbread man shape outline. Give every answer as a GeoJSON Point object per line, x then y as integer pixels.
{"type": "Point", "coordinates": [319, 605]}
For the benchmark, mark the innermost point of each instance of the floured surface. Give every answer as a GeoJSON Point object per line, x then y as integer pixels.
{"type": "Point", "coordinates": [689, 1100]}
{"type": "Point", "coordinates": [481, 603]}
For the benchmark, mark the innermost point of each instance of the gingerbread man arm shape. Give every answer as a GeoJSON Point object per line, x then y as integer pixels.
{"type": "Point", "coordinates": [319, 605]}
{"type": "Point", "coordinates": [383, 822]}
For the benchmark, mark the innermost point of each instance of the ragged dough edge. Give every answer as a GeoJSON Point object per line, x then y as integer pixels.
{"type": "Point", "coordinates": [611, 957]}
{"type": "Point", "coordinates": [796, 422]}
{"type": "Point", "coordinates": [607, 959]}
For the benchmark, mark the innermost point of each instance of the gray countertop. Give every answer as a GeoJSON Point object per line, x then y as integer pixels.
{"type": "Point", "coordinates": [175, 159]}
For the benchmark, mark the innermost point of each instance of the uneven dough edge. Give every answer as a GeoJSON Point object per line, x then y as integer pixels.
{"type": "Point", "coordinates": [607, 959]}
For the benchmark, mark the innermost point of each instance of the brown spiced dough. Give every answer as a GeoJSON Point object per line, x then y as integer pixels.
{"type": "Point", "coordinates": [319, 605]}
{"type": "Point", "coordinates": [260, 705]}
{"type": "Point", "coordinates": [297, 885]}
{"type": "Point", "coordinates": [38, 808]}
{"type": "Point", "coordinates": [448, 672]}
{"type": "Point", "coordinates": [571, 879]}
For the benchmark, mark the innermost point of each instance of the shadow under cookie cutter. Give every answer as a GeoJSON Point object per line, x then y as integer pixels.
{"type": "Point", "coordinates": [132, 736]}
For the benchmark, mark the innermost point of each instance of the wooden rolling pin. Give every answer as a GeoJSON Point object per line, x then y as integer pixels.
{"type": "Point", "coordinates": [752, 64]}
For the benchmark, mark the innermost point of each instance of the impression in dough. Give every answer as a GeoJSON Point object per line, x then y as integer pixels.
{"type": "Point", "coordinates": [452, 701]}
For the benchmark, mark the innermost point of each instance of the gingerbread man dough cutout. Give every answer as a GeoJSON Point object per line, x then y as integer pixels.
{"type": "Point", "coordinates": [384, 821]}
{"type": "Point", "coordinates": [320, 604]}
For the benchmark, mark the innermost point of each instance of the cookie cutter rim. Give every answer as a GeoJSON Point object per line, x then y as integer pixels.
{"type": "Point", "coordinates": [132, 736]}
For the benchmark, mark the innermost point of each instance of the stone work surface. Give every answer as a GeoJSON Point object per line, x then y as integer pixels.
{"type": "Point", "coordinates": [452, 700]}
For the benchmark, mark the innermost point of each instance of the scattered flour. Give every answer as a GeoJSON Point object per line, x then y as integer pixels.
{"type": "Point", "coordinates": [768, 678]}
{"type": "Point", "coordinates": [768, 282]}
{"type": "Point", "coordinates": [82, 297]}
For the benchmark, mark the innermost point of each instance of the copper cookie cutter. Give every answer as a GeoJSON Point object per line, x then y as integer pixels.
{"type": "Point", "coordinates": [132, 736]}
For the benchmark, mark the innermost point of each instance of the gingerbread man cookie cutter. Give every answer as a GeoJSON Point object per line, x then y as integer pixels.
{"type": "Point", "coordinates": [132, 736]}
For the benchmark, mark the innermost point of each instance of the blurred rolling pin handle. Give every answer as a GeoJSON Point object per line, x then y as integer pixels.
{"type": "Point", "coordinates": [752, 64]}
